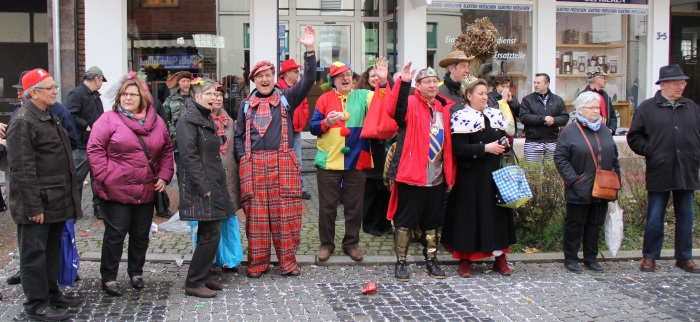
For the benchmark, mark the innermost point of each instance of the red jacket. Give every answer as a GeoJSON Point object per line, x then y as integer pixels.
{"type": "Point", "coordinates": [413, 159]}
{"type": "Point", "coordinates": [121, 170]}
{"type": "Point", "coordinates": [301, 114]}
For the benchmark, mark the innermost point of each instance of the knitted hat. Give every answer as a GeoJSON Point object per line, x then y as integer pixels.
{"type": "Point", "coordinates": [426, 72]}
{"type": "Point", "coordinates": [261, 66]}
{"type": "Point", "coordinates": [33, 77]}
{"type": "Point", "coordinates": [288, 65]}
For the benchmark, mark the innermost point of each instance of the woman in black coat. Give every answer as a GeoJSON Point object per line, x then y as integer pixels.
{"type": "Point", "coordinates": [203, 193]}
{"type": "Point", "coordinates": [475, 227]}
{"type": "Point", "coordinates": [574, 161]}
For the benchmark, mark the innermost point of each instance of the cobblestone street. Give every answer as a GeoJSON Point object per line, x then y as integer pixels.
{"type": "Point", "coordinates": [539, 290]}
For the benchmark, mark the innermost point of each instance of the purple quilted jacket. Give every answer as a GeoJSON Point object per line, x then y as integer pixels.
{"type": "Point", "coordinates": [119, 166]}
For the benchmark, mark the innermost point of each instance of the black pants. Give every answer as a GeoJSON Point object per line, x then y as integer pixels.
{"type": "Point", "coordinates": [583, 221]}
{"type": "Point", "coordinates": [328, 198]}
{"type": "Point", "coordinates": [39, 250]}
{"type": "Point", "coordinates": [375, 204]}
{"type": "Point", "coordinates": [208, 236]}
{"type": "Point", "coordinates": [178, 165]}
{"type": "Point", "coordinates": [120, 219]}
{"type": "Point", "coordinates": [419, 206]}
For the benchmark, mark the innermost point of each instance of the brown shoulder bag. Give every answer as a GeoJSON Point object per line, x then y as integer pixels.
{"type": "Point", "coordinates": [606, 183]}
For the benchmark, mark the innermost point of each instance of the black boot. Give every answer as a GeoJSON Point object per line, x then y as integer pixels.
{"type": "Point", "coordinates": [430, 252]}
{"type": "Point", "coordinates": [402, 239]}
{"type": "Point", "coordinates": [14, 279]}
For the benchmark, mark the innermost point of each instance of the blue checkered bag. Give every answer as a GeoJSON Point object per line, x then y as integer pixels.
{"type": "Point", "coordinates": [514, 191]}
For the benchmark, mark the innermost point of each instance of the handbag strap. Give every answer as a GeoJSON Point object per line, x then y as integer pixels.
{"type": "Point", "coordinates": [148, 156]}
{"type": "Point", "coordinates": [595, 161]}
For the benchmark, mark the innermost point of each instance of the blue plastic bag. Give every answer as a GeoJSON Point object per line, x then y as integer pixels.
{"type": "Point", "coordinates": [230, 250]}
{"type": "Point", "coordinates": [69, 259]}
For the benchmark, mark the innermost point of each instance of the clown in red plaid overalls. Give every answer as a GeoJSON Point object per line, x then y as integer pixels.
{"type": "Point", "coordinates": [269, 170]}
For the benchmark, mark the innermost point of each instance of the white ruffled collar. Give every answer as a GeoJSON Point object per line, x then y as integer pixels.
{"type": "Point", "coordinates": [469, 120]}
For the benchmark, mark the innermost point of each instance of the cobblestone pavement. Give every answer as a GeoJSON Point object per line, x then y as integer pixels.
{"type": "Point", "coordinates": [535, 292]}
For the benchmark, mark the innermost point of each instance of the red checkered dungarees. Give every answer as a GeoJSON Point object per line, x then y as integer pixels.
{"type": "Point", "coordinates": [271, 199]}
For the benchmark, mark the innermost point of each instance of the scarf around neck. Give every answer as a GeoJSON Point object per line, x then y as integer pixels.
{"type": "Point", "coordinates": [138, 117]}
{"type": "Point", "coordinates": [595, 126]}
{"type": "Point", "coordinates": [221, 121]}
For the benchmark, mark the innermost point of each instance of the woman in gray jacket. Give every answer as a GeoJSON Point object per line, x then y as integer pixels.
{"type": "Point", "coordinates": [204, 196]}
{"type": "Point", "coordinates": [574, 161]}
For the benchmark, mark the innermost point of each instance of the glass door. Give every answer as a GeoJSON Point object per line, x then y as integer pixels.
{"type": "Point", "coordinates": [333, 43]}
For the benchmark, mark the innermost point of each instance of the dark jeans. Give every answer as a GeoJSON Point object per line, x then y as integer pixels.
{"type": "Point", "coordinates": [375, 204]}
{"type": "Point", "coordinates": [82, 169]}
{"type": "Point", "coordinates": [654, 231]}
{"type": "Point", "coordinates": [208, 236]}
{"type": "Point", "coordinates": [120, 219]}
{"type": "Point", "coordinates": [583, 221]}
{"type": "Point", "coordinates": [328, 198]}
{"type": "Point", "coordinates": [40, 249]}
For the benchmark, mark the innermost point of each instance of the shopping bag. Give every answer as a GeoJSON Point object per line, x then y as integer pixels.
{"type": "Point", "coordinates": [230, 251]}
{"type": "Point", "coordinates": [508, 114]}
{"type": "Point", "coordinates": [69, 259]}
{"type": "Point", "coordinates": [614, 228]}
{"type": "Point", "coordinates": [514, 191]}
{"type": "Point", "coordinates": [378, 124]}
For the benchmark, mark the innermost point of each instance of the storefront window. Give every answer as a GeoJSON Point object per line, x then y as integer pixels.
{"type": "Point", "coordinates": [164, 41]}
{"type": "Point", "coordinates": [446, 22]}
{"type": "Point", "coordinates": [610, 38]}
{"type": "Point", "coordinates": [325, 8]}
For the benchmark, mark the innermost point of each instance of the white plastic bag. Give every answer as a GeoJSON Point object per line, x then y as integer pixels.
{"type": "Point", "coordinates": [614, 228]}
{"type": "Point", "coordinates": [174, 224]}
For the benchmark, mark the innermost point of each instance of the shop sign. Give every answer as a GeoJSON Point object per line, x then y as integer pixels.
{"type": "Point", "coordinates": [477, 6]}
{"type": "Point", "coordinates": [610, 1]}
{"type": "Point", "coordinates": [171, 62]}
{"type": "Point", "coordinates": [607, 11]}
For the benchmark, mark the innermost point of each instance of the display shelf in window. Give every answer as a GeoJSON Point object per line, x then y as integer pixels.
{"type": "Point", "coordinates": [590, 46]}
{"type": "Point", "coordinates": [585, 75]}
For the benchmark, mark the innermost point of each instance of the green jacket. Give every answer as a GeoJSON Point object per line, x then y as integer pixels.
{"type": "Point", "coordinates": [175, 107]}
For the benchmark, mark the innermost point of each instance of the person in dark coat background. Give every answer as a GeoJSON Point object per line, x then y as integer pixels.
{"type": "Point", "coordinates": [204, 196]}
{"type": "Point", "coordinates": [597, 79]}
{"type": "Point", "coordinates": [542, 113]}
{"type": "Point", "coordinates": [44, 194]}
{"type": "Point", "coordinates": [584, 214]}
{"type": "Point", "coordinates": [665, 130]}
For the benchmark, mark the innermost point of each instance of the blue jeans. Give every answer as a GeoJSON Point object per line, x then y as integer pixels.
{"type": "Point", "coordinates": [654, 231]}
{"type": "Point", "coordinates": [297, 151]}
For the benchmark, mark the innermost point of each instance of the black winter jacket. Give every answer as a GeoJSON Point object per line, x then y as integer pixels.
{"type": "Point", "coordinates": [574, 161]}
{"type": "Point", "coordinates": [86, 107]}
{"type": "Point", "coordinates": [533, 113]}
{"type": "Point", "coordinates": [202, 169]}
{"type": "Point", "coordinates": [611, 122]}
{"type": "Point", "coordinates": [41, 168]}
{"type": "Point", "coordinates": [669, 138]}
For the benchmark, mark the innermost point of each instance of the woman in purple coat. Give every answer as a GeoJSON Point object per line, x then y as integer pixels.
{"type": "Point", "coordinates": [124, 181]}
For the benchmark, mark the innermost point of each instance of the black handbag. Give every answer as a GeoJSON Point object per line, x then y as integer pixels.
{"type": "Point", "coordinates": [161, 202]}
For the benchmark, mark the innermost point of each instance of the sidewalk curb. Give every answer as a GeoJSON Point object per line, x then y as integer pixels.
{"type": "Point", "coordinates": [342, 260]}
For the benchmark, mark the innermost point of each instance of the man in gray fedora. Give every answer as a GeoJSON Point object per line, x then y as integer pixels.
{"type": "Point", "coordinates": [666, 131]}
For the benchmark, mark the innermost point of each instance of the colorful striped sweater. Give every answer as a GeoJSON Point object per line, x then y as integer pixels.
{"type": "Point", "coordinates": [330, 142]}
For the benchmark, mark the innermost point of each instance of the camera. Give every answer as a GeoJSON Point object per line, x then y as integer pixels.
{"type": "Point", "coordinates": [503, 142]}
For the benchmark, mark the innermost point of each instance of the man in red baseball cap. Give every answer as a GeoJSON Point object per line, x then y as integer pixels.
{"type": "Point", "coordinates": [43, 195]}
{"type": "Point", "coordinates": [288, 76]}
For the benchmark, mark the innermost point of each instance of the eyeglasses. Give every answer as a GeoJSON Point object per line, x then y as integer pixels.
{"type": "Point", "coordinates": [50, 88]}
{"type": "Point", "coordinates": [216, 94]}
{"type": "Point", "coordinates": [130, 95]}
{"type": "Point", "coordinates": [592, 108]}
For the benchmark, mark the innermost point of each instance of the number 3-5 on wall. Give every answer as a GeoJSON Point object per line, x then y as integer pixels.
{"type": "Point", "coordinates": [661, 35]}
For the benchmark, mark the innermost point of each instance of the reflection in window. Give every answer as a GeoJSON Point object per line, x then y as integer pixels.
{"type": "Point", "coordinates": [370, 8]}
{"type": "Point", "coordinates": [325, 8]}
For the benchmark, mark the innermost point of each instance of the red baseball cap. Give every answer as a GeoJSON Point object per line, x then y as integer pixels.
{"type": "Point", "coordinates": [33, 77]}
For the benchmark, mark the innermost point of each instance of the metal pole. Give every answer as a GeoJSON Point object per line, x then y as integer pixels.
{"type": "Point", "coordinates": [56, 46]}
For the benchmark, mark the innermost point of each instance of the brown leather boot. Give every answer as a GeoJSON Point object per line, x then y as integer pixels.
{"type": "Point", "coordinates": [501, 265]}
{"type": "Point", "coordinates": [201, 291]}
{"type": "Point", "coordinates": [688, 266]}
{"type": "Point", "coordinates": [465, 268]}
{"type": "Point", "coordinates": [214, 285]}
{"type": "Point", "coordinates": [648, 265]}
